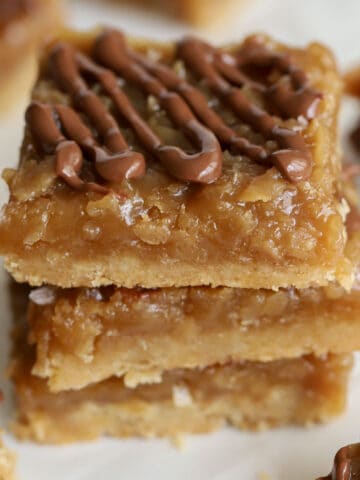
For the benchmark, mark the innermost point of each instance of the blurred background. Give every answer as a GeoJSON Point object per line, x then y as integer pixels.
{"type": "Point", "coordinates": [334, 22]}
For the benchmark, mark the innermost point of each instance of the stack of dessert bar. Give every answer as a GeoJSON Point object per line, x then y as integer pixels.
{"type": "Point", "coordinates": [182, 212]}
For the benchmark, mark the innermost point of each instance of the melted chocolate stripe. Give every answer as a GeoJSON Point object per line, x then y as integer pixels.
{"type": "Point", "coordinates": [205, 166]}
{"type": "Point", "coordinates": [225, 65]}
{"type": "Point", "coordinates": [117, 161]}
{"type": "Point", "coordinates": [69, 159]}
{"type": "Point", "coordinates": [197, 101]}
{"type": "Point", "coordinates": [293, 159]}
{"type": "Point", "coordinates": [300, 101]}
{"type": "Point", "coordinates": [66, 67]}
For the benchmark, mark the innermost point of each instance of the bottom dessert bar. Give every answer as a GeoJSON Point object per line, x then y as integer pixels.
{"type": "Point", "coordinates": [7, 463]}
{"type": "Point", "coordinates": [247, 395]}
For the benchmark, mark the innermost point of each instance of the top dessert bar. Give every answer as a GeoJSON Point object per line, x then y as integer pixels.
{"type": "Point", "coordinates": [179, 164]}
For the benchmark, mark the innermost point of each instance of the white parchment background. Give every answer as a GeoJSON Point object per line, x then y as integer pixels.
{"type": "Point", "coordinates": [288, 454]}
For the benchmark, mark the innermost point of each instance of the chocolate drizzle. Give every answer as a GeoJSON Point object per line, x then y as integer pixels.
{"type": "Point", "coordinates": [42, 118]}
{"type": "Point", "coordinates": [292, 98]}
{"type": "Point", "coordinates": [222, 76]}
{"type": "Point", "coordinates": [346, 464]}
{"type": "Point", "coordinates": [60, 130]}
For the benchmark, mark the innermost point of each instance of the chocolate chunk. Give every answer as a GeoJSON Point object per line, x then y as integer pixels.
{"type": "Point", "coordinates": [346, 464]}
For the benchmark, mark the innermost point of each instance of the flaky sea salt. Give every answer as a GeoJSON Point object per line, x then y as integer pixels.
{"type": "Point", "coordinates": [43, 296]}
{"type": "Point", "coordinates": [181, 396]}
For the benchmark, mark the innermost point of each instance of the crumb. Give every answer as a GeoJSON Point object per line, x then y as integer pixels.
{"type": "Point", "coordinates": [179, 442]}
{"type": "Point", "coordinates": [134, 378]}
{"type": "Point", "coordinates": [263, 476]}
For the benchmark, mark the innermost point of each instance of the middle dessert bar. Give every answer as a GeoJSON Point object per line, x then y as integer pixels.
{"type": "Point", "coordinates": [86, 335]}
{"type": "Point", "coordinates": [178, 164]}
